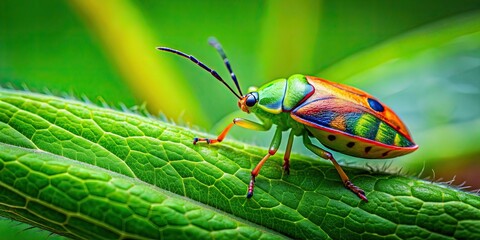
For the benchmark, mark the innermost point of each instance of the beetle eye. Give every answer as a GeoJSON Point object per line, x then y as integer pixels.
{"type": "Point", "coordinates": [375, 105]}
{"type": "Point", "coordinates": [251, 100]}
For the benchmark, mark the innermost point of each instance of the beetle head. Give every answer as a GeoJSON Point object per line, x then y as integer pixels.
{"type": "Point", "coordinates": [247, 101]}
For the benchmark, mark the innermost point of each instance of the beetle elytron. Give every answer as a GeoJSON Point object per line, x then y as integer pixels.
{"type": "Point", "coordinates": [342, 118]}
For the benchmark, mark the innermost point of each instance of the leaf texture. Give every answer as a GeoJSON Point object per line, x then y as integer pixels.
{"type": "Point", "coordinates": [86, 172]}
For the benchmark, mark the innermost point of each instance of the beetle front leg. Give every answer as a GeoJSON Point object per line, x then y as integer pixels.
{"type": "Point", "coordinates": [326, 155]}
{"type": "Point", "coordinates": [219, 138]}
{"type": "Point", "coordinates": [239, 122]}
{"type": "Point", "coordinates": [277, 139]}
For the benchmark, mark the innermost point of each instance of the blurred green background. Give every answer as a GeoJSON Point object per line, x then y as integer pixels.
{"type": "Point", "coordinates": [422, 58]}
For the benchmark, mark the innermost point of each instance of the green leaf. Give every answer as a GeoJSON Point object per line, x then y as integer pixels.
{"type": "Point", "coordinates": [87, 172]}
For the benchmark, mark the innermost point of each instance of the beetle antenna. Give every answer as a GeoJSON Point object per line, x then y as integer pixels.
{"type": "Point", "coordinates": [196, 61]}
{"type": "Point", "coordinates": [216, 44]}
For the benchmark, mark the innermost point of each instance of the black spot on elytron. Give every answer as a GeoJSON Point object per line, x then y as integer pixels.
{"type": "Point", "coordinates": [350, 144]}
{"type": "Point", "coordinates": [375, 105]}
{"type": "Point", "coordinates": [367, 149]}
{"type": "Point", "coordinates": [385, 154]}
{"type": "Point", "coordinates": [331, 137]}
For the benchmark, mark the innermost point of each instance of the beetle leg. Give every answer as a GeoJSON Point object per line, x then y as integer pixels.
{"type": "Point", "coordinates": [277, 139]}
{"type": "Point", "coordinates": [326, 155]}
{"type": "Point", "coordinates": [286, 156]}
{"type": "Point", "coordinates": [219, 138]}
{"type": "Point", "coordinates": [239, 122]}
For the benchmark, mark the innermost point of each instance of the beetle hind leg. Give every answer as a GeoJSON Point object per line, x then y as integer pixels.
{"type": "Point", "coordinates": [360, 193]}
{"type": "Point", "coordinates": [326, 155]}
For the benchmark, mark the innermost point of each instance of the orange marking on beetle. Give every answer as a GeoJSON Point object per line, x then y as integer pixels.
{"type": "Point", "coordinates": [338, 123]}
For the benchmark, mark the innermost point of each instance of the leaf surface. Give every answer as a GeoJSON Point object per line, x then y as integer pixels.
{"type": "Point", "coordinates": [88, 172]}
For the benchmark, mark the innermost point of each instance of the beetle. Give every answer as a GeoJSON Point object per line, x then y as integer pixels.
{"type": "Point", "coordinates": [342, 118]}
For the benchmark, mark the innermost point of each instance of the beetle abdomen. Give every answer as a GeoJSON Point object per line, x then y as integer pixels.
{"type": "Point", "coordinates": [343, 119]}
{"type": "Point", "coordinates": [333, 113]}
{"type": "Point", "coordinates": [356, 147]}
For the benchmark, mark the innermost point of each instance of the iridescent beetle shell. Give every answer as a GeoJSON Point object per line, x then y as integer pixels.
{"type": "Point", "coordinates": [342, 118]}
